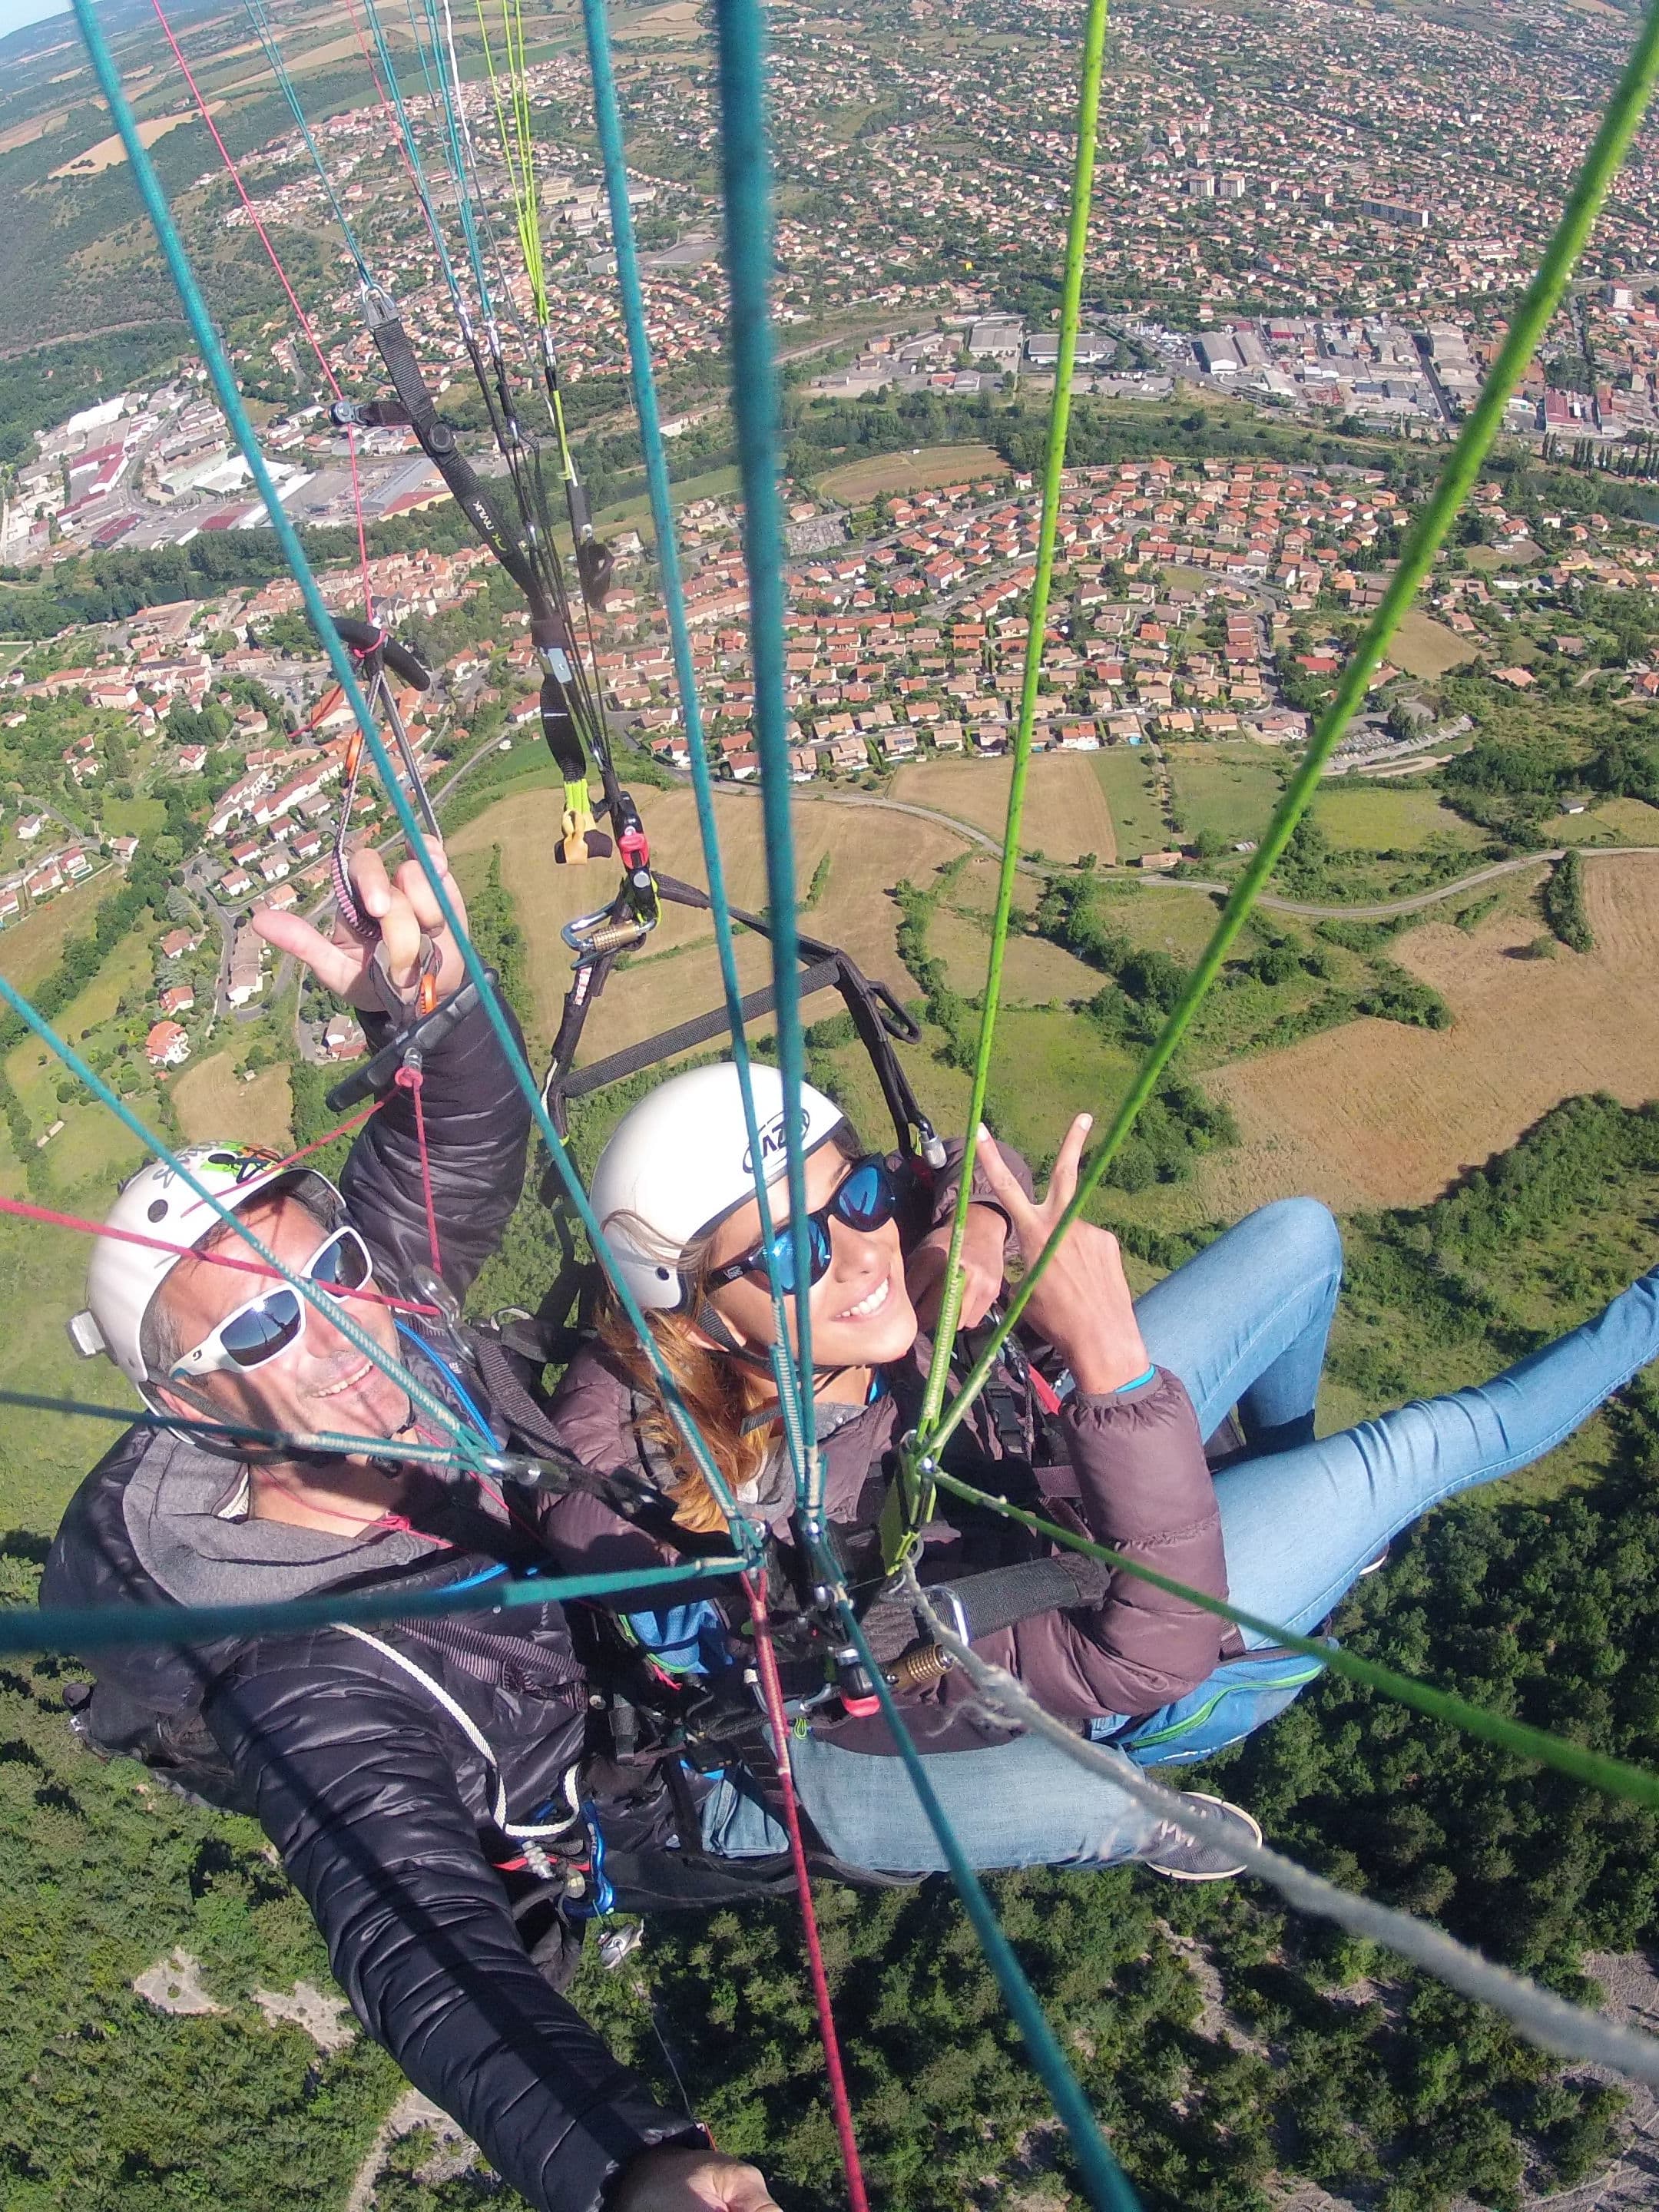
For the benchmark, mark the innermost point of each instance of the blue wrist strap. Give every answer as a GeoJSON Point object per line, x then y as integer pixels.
{"type": "Point", "coordinates": [1151, 1376]}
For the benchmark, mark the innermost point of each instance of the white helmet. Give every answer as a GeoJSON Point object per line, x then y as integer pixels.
{"type": "Point", "coordinates": [122, 1278]}
{"type": "Point", "coordinates": [679, 1162]}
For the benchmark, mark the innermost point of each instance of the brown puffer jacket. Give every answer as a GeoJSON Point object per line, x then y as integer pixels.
{"type": "Point", "coordinates": [1137, 1480]}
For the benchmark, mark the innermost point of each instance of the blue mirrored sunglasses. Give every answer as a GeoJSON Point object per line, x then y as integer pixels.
{"type": "Point", "coordinates": [866, 1198]}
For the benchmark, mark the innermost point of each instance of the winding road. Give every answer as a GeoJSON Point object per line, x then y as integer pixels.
{"type": "Point", "coordinates": [1383, 912]}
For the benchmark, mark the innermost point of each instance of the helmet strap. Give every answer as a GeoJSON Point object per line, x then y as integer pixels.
{"type": "Point", "coordinates": [715, 1329]}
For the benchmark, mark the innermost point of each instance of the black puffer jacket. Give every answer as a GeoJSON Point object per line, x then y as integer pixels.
{"type": "Point", "coordinates": [376, 1796]}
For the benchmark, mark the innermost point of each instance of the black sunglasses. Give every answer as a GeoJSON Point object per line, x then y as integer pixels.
{"type": "Point", "coordinates": [866, 1198]}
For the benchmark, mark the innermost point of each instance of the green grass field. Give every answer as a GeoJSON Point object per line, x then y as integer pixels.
{"type": "Point", "coordinates": [1223, 791]}
{"type": "Point", "coordinates": [1125, 775]}
{"type": "Point", "coordinates": [135, 817]}
{"type": "Point", "coordinates": [30, 949]}
{"type": "Point", "coordinates": [43, 1452]}
{"type": "Point", "coordinates": [635, 509]}
{"type": "Point", "coordinates": [1387, 821]}
{"type": "Point", "coordinates": [1047, 1067]}
{"type": "Point", "coordinates": [1425, 647]}
{"type": "Point", "coordinates": [1614, 822]}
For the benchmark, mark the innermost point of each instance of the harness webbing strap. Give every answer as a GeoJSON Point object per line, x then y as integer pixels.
{"type": "Point", "coordinates": [671, 1044]}
{"type": "Point", "coordinates": [977, 1605]}
{"type": "Point", "coordinates": [439, 444]}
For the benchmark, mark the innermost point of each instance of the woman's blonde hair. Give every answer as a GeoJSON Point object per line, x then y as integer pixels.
{"type": "Point", "coordinates": [718, 1391]}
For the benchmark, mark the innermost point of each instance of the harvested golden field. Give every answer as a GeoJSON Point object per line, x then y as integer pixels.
{"type": "Point", "coordinates": [919, 472]}
{"type": "Point", "coordinates": [1375, 1113]}
{"type": "Point", "coordinates": [109, 153]}
{"type": "Point", "coordinates": [1065, 810]}
{"type": "Point", "coordinates": [678, 19]}
{"type": "Point", "coordinates": [213, 1101]}
{"type": "Point", "coordinates": [1425, 647]}
{"type": "Point", "coordinates": [870, 851]}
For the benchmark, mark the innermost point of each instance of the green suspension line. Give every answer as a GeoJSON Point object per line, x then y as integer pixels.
{"type": "Point", "coordinates": [1077, 243]}
{"type": "Point", "coordinates": [1617, 1777]}
{"type": "Point", "coordinates": [1543, 295]}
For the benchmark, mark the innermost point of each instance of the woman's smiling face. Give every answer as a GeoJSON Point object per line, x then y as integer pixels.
{"type": "Point", "coordinates": [860, 1311]}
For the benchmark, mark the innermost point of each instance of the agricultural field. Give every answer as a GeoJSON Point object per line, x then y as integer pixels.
{"type": "Point", "coordinates": [1425, 647]}
{"type": "Point", "coordinates": [29, 950]}
{"type": "Point", "coordinates": [110, 153]}
{"type": "Point", "coordinates": [212, 1102]}
{"type": "Point", "coordinates": [1125, 775]}
{"type": "Point", "coordinates": [858, 482]}
{"type": "Point", "coordinates": [1369, 821]}
{"type": "Point", "coordinates": [1066, 809]}
{"type": "Point", "coordinates": [1223, 791]}
{"type": "Point", "coordinates": [1034, 972]}
{"type": "Point", "coordinates": [1610, 821]}
{"type": "Point", "coordinates": [1375, 1113]}
{"type": "Point", "coordinates": [870, 851]}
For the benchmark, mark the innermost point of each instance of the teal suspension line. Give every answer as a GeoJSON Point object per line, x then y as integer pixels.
{"type": "Point", "coordinates": [230, 399]}
{"type": "Point", "coordinates": [436, 80]}
{"type": "Point", "coordinates": [1107, 2185]}
{"type": "Point", "coordinates": [267, 38]}
{"type": "Point", "coordinates": [608, 116]}
{"type": "Point", "coordinates": [746, 171]}
{"type": "Point", "coordinates": [416, 167]}
{"type": "Point", "coordinates": [112, 1627]}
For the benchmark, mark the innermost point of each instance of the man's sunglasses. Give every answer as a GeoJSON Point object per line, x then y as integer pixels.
{"type": "Point", "coordinates": [866, 1198]}
{"type": "Point", "coordinates": [267, 1325]}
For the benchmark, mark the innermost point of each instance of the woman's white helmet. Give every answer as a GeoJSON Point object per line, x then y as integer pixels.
{"type": "Point", "coordinates": [123, 1277]}
{"type": "Point", "coordinates": [680, 1161]}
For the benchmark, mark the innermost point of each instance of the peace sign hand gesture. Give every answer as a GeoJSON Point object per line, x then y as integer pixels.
{"type": "Point", "coordinates": [1082, 1302]}
{"type": "Point", "coordinates": [403, 906]}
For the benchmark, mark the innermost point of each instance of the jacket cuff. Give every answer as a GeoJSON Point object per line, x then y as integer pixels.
{"type": "Point", "coordinates": [590, 2166]}
{"type": "Point", "coordinates": [1138, 1386]}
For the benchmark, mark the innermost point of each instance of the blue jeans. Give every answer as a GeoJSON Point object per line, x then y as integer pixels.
{"type": "Point", "coordinates": [1244, 1323]}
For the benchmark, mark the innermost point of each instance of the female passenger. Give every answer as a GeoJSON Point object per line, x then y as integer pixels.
{"type": "Point", "coordinates": [1285, 1528]}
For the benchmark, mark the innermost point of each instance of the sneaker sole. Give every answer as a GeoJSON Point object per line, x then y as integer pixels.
{"type": "Point", "coordinates": [1219, 1873]}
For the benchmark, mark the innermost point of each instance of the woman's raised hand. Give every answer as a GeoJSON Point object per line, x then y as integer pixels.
{"type": "Point", "coordinates": [1081, 1303]}
{"type": "Point", "coordinates": [403, 905]}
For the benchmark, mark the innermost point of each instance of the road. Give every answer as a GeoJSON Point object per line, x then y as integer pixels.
{"type": "Point", "coordinates": [1383, 912]}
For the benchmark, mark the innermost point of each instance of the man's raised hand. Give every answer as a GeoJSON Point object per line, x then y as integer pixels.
{"type": "Point", "coordinates": [1081, 1303]}
{"type": "Point", "coordinates": [692, 2181]}
{"type": "Point", "coordinates": [403, 906]}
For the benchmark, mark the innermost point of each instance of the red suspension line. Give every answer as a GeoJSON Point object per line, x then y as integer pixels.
{"type": "Point", "coordinates": [772, 1690]}
{"type": "Point", "coordinates": [410, 1080]}
{"type": "Point", "coordinates": [282, 275]}
{"type": "Point", "coordinates": [44, 1214]}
